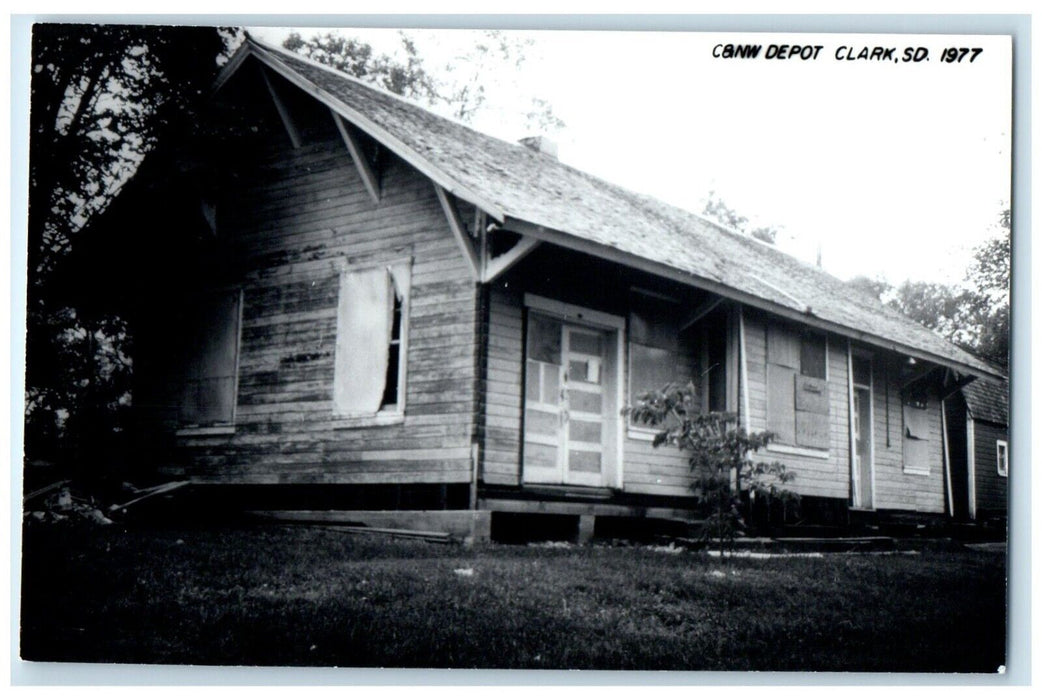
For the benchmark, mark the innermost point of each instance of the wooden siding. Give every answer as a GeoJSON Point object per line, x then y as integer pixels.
{"type": "Point", "coordinates": [827, 475]}
{"type": "Point", "coordinates": [991, 488]}
{"type": "Point", "coordinates": [294, 217]}
{"type": "Point", "coordinates": [896, 489]}
{"type": "Point", "coordinates": [573, 279]}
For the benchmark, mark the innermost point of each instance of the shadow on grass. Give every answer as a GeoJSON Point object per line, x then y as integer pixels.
{"type": "Point", "coordinates": [297, 596]}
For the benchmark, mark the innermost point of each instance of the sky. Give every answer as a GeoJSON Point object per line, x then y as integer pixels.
{"type": "Point", "coordinates": [891, 169]}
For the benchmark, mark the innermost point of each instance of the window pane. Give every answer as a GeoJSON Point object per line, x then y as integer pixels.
{"type": "Point", "coordinates": [390, 397]}
{"type": "Point", "coordinates": [650, 369]}
{"type": "Point", "coordinates": [654, 322]}
{"type": "Point", "coordinates": [862, 370]}
{"type": "Point", "coordinates": [210, 362]}
{"type": "Point", "coordinates": [544, 339]}
{"type": "Point", "coordinates": [551, 384]}
{"type": "Point", "coordinates": [585, 343]}
{"type": "Point", "coordinates": [532, 381]}
{"type": "Point", "coordinates": [537, 455]}
{"type": "Point", "coordinates": [812, 356]}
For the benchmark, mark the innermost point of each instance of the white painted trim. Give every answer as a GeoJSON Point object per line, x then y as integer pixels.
{"type": "Point", "coordinates": [743, 359]}
{"type": "Point", "coordinates": [574, 313]}
{"type": "Point", "coordinates": [205, 431]}
{"type": "Point", "coordinates": [946, 456]}
{"type": "Point", "coordinates": [855, 474]}
{"type": "Point", "coordinates": [636, 432]}
{"type": "Point", "coordinates": [365, 170]}
{"type": "Point", "coordinates": [797, 451]}
{"type": "Point", "coordinates": [916, 471]}
{"type": "Point", "coordinates": [366, 420]}
{"type": "Point", "coordinates": [971, 464]}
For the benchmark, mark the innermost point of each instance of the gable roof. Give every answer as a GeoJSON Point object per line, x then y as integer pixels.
{"type": "Point", "coordinates": [535, 194]}
{"type": "Point", "coordinates": [988, 400]}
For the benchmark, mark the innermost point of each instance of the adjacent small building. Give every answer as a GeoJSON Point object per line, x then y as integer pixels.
{"type": "Point", "coordinates": [978, 419]}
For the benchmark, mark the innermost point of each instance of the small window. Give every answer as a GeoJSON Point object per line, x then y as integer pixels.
{"type": "Point", "coordinates": [1002, 455]}
{"type": "Point", "coordinates": [371, 344]}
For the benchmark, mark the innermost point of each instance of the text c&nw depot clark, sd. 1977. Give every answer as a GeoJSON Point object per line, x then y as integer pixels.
{"type": "Point", "coordinates": [813, 52]}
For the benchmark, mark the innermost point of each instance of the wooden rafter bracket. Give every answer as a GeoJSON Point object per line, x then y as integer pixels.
{"type": "Point", "coordinates": [280, 107]}
{"type": "Point", "coordinates": [494, 267]}
{"type": "Point", "coordinates": [459, 232]}
{"type": "Point", "coordinates": [700, 312]}
{"type": "Point", "coordinates": [365, 169]}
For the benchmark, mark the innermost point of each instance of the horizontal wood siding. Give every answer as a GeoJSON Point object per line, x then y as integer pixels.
{"type": "Point", "coordinates": [991, 488]}
{"type": "Point", "coordinates": [894, 488]}
{"type": "Point", "coordinates": [824, 476]}
{"type": "Point", "coordinates": [295, 217]}
{"type": "Point", "coordinates": [503, 397]}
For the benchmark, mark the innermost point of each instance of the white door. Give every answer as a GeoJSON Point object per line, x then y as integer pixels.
{"type": "Point", "coordinates": [568, 403]}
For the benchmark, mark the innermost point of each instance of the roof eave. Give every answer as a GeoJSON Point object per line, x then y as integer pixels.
{"type": "Point", "coordinates": [605, 252]}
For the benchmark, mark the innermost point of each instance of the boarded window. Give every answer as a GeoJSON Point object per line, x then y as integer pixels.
{"type": "Point", "coordinates": [797, 393]}
{"type": "Point", "coordinates": [1002, 457]}
{"type": "Point", "coordinates": [210, 357]}
{"type": "Point", "coordinates": [369, 367]}
{"type": "Point", "coordinates": [654, 329]}
{"type": "Point", "coordinates": [916, 441]}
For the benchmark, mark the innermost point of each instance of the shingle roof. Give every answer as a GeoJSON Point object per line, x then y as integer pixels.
{"type": "Point", "coordinates": [988, 400]}
{"type": "Point", "coordinates": [515, 181]}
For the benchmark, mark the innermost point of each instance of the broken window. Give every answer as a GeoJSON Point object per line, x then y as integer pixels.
{"type": "Point", "coordinates": [797, 390]}
{"type": "Point", "coordinates": [209, 360]}
{"type": "Point", "coordinates": [370, 358]}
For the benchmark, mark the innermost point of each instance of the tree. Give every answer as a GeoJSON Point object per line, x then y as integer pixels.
{"type": "Point", "coordinates": [719, 454]}
{"type": "Point", "coordinates": [460, 89]}
{"type": "Point", "coordinates": [100, 96]}
{"type": "Point", "coordinates": [973, 314]}
{"type": "Point", "coordinates": [715, 208]}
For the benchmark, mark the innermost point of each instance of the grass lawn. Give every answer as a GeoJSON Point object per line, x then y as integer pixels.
{"type": "Point", "coordinates": [277, 595]}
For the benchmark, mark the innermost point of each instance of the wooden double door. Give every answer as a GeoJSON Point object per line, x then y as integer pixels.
{"type": "Point", "coordinates": [571, 407]}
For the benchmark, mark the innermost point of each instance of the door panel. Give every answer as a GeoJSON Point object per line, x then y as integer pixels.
{"type": "Point", "coordinates": [567, 403]}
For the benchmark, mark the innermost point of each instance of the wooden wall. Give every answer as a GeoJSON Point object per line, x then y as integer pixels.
{"type": "Point", "coordinates": [292, 218]}
{"type": "Point", "coordinates": [827, 475]}
{"type": "Point", "coordinates": [992, 489]}
{"type": "Point", "coordinates": [575, 279]}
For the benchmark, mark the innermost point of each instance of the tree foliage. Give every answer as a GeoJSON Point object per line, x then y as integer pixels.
{"type": "Point", "coordinates": [716, 208]}
{"type": "Point", "coordinates": [720, 455]}
{"type": "Point", "coordinates": [100, 96]}
{"type": "Point", "coordinates": [973, 314]}
{"type": "Point", "coordinates": [459, 89]}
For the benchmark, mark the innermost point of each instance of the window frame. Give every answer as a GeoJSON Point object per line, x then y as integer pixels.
{"type": "Point", "coordinates": [912, 401]}
{"type": "Point", "coordinates": [1002, 457]}
{"type": "Point", "coordinates": [387, 414]}
{"type": "Point", "coordinates": [227, 427]}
